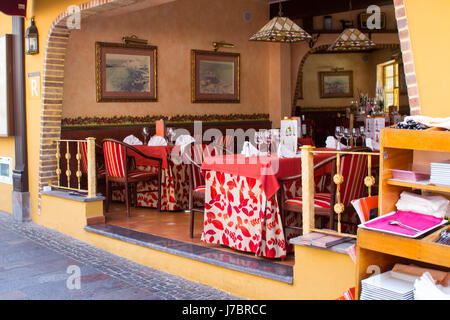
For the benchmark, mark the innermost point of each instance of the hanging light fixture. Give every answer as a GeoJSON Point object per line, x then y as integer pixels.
{"type": "Point", "coordinates": [32, 39]}
{"type": "Point", "coordinates": [280, 29]}
{"type": "Point", "coordinates": [351, 39]}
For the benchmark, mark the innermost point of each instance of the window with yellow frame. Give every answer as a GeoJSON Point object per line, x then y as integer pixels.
{"type": "Point", "coordinates": [391, 85]}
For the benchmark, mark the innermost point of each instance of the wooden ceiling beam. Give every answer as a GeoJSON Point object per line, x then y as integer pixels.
{"type": "Point", "coordinates": [298, 9]}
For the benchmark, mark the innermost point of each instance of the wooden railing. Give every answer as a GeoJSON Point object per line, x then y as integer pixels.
{"type": "Point", "coordinates": [89, 160]}
{"type": "Point", "coordinates": [308, 188]}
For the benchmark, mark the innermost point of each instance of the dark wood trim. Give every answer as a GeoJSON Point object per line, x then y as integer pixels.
{"type": "Point", "coordinates": [95, 220]}
{"type": "Point", "coordinates": [20, 173]}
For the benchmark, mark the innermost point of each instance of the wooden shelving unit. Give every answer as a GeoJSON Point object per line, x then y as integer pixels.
{"type": "Point", "coordinates": [382, 250]}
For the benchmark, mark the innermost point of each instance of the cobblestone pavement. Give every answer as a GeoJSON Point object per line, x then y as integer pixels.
{"type": "Point", "coordinates": [34, 264]}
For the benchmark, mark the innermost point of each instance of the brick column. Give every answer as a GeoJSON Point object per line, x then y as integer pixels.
{"type": "Point", "coordinates": [408, 58]}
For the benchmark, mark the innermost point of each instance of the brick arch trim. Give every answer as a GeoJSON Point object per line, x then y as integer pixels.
{"type": "Point", "coordinates": [407, 57]}
{"type": "Point", "coordinates": [53, 83]}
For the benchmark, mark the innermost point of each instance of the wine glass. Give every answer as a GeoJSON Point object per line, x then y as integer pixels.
{"type": "Point", "coordinates": [339, 133]}
{"type": "Point", "coordinates": [347, 136]}
{"type": "Point", "coordinates": [355, 134]}
{"type": "Point", "coordinates": [362, 132]}
{"type": "Point", "coordinates": [268, 140]}
{"type": "Point", "coordinates": [170, 134]}
{"type": "Point", "coordinates": [258, 139]}
{"type": "Point", "coordinates": [146, 134]}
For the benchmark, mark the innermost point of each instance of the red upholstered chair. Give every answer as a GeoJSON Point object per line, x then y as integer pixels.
{"type": "Point", "coordinates": [118, 170]}
{"type": "Point", "coordinates": [100, 163]}
{"type": "Point", "coordinates": [353, 169]}
{"type": "Point", "coordinates": [194, 156]}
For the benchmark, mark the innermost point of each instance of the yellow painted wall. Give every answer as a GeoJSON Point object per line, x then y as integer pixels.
{"type": "Point", "coordinates": [428, 27]}
{"type": "Point", "coordinates": [318, 274]}
{"type": "Point", "coordinates": [6, 144]}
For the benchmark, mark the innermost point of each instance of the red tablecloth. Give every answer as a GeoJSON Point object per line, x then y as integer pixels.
{"type": "Point", "coordinates": [160, 152]}
{"type": "Point", "coordinates": [265, 169]}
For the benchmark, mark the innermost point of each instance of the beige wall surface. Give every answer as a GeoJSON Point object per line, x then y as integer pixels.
{"type": "Point", "coordinates": [175, 28]}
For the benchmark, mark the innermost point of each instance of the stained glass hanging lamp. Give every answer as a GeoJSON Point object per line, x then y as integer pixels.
{"type": "Point", "coordinates": [280, 29]}
{"type": "Point", "coordinates": [352, 39]}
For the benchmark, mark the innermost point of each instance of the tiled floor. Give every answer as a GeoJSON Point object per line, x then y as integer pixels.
{"type": "Point", "coordinates": [171, 225]}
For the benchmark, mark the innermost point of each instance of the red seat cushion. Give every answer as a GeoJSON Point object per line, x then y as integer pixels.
{"type": "Point", "coordinates": [101, 172]}
{"type": "Point", "coordinates": [321, 200]}
{"type": "Point", "coordinates": [200, 189]}
{"type": "Point", "coordinates": [139, 174]}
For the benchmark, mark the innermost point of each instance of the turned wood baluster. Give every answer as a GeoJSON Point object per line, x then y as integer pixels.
{"type": "Point", "coordinates": [307, 189]}
{"type": "Point", "coordinates": [338, 179]}
{"type": "Point", "coordinates": [369, 181]}
{"type": "Point", "coordinates": [58, 157]}
{"type": "Point", "coordinates": [91, 170]}
{"type": "Point", "coordinates": [68, 172]}
{"type": "Point", "coordinates": [78, 173]}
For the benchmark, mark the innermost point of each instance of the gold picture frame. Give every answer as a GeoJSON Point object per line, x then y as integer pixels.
{"type": "Point", "coordinates": [215, 77]}
{"type": "Point", "coordinates": [126, 72]}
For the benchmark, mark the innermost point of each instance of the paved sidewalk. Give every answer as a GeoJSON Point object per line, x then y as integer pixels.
{"type": "Point", "coordinates": [38, 263]}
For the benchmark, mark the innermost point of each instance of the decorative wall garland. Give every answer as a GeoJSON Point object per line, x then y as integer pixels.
{"type": "Point", "coordinates": [141, 120]}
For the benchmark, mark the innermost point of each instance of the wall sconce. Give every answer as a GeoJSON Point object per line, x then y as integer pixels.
{"type": "Point", "coordinates": [217, 45]}
{"type": "Point", "coordinates": [32, 39]}
{"type": "Point", "coordinates": [133, 40]}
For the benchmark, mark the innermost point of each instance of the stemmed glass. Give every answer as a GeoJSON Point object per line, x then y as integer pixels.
{"type": "Point", "coordinates": [355, 134]}
{"type": "Point", "coordinates": [347, 136]}
{"type": "Point", "coordinates": [170, 134]}
{"type": "Point", "coordinates": [362, 132]}
{"type": "Point", "coordinates": [258, 139]}
{"type": "Point", "coordinates": [339, 133]}
{"type": "Point", "coordinates": [146, 134]}
{"type": "Point", "coordinates": [268, 140]}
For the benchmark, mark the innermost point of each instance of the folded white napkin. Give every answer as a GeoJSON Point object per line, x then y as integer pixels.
{"type": "Point", "coordinates": [372, 144]}
{"type": "Point", "coordinates": [249, 150]}
{"type": "Point", "coordinates": [437, 206]}
{"type": "Point", "coordinates": [331, 143]}
{"type": "Point", "coordinates": [132, 140]}
{"type": "Point", "coordinates": [286, 152]}
{"type": "Point", "coordinates": [426, 289]}
{"type": "Point", "coordinates": [157, 141]}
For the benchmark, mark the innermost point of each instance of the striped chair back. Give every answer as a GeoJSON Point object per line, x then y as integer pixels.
{"type": "Point", "coordinates": [83, 160]}
{"type": "Point", "coordinates": [199, 153]}
{"type": "Point", "coordinates": [114, 154]}
{"type": "Point", "coordinates": [353, 169]}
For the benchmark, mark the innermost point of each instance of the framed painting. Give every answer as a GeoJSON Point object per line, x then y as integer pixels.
{"type": "Point", "coordinates": [336, 84]}
{"type": "Point", "coordinates": [126, 72]}
{"type": "Point", "coordinates": [6, 87]}
{"type": "Point", "coordinates": [215, 77]}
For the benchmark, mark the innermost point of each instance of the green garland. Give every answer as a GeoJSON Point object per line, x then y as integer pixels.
{"type": "Point", "coordinates": [149, 120]}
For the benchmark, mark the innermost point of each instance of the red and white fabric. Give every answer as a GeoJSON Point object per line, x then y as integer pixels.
{"type": "Point", "coordinates": [321, 200]}
{"type": "Point", "coordinates": [239, 215]}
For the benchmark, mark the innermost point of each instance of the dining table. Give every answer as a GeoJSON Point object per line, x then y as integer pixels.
{"type": "Point", "coordinates": [174, 179]}
{"type": "Point", "coordinates": [241, 202]}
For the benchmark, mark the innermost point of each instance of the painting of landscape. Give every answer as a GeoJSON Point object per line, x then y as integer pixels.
{"type": "Point", "coordinates": [215, 76]}
{"type": "Point", "coordinates": [127, 73]}
{"type": "Point", "coordinates": [336, 84]}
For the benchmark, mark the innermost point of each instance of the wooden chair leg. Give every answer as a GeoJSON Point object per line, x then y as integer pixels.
{"type": "Point", "coordinates": [108, 195]}
{"type": "Point", "coordinates": [127, 200]}
{"type": "Point", "coordinates": [191, 230]}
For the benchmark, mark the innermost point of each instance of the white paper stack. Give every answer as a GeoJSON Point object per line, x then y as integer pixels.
{"type": "Point", "coordinates": [440, 173]}
{"type": "Point", "coordinates": [388, 286]}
